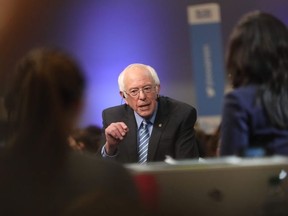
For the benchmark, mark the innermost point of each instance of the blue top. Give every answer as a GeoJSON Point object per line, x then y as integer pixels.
{"type": "Point", "coordinates": [245, 126]}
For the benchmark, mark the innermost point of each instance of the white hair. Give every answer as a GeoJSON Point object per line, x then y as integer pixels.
{"type": "Point", "coordinates": [151, 70]}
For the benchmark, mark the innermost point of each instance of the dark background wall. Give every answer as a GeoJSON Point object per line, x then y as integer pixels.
{"type": "Point", "coordinates": [107, 35]}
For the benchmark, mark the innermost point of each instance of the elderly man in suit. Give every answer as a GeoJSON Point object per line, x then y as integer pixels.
{"type": "Point", "coordinates": [168, 124]}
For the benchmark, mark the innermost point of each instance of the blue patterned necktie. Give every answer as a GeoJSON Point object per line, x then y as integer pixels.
{"type": "Point", "coordinates": [143, 142]}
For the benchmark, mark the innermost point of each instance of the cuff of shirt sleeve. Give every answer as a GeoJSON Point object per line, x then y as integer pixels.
{"type": "Point", "coordinates": [104, 153]}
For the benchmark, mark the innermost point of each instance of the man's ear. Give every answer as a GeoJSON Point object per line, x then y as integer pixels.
{"type": "Point", "coordinates": [122, 94]}
{"type": "Point", "coordinates": [157, 91]}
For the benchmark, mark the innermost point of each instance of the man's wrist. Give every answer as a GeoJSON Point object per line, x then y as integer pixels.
{"type": "Point", "coordinates": [108, 152]}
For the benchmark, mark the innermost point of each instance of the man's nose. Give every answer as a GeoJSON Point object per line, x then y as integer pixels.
{"type": "Point", "coordinates": [142, 94]}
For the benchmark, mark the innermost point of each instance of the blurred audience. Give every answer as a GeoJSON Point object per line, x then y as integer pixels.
{"type": "Point", "coordinates": [40, 175]}
{"type": "Point", "coordinates": [86, 139]}
{"type": "Point", "coordinates": [208, 143]}
{"type": "Point", "coordinates": [255, 113]}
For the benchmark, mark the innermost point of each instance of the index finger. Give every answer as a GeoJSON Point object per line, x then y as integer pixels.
{"type": "Point", "coordinates": [123, 126]}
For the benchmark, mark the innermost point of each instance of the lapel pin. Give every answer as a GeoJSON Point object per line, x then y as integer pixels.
{"type": "Point", "coordinates": [160, 125]}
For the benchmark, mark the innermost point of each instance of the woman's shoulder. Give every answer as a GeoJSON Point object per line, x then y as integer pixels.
{"type": "Point", "coordinates": [244, 90]}
{"type": "Point", "coordinates": [243, 93]}
{"type": "Point", "coordinates": [85, 162]}
{"type": "Point", "coordinates": [88, 172]}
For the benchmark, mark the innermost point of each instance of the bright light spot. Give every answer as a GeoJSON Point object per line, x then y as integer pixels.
{"type": "Point", "coordinates": [282, 174]}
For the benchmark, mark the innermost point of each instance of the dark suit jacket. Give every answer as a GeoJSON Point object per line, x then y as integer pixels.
{"type": "Point", "coordinates": [245, 125]}
{"type": "Point", "coordinates": [173, 131]}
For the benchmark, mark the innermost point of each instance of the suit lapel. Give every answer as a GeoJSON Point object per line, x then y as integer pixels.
{"type": "Point", "coordinates": [160, 123]}
{"type": "Point", "coordinates": [131, 139]}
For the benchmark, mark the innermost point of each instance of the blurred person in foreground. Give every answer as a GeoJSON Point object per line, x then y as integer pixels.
{"type": "Point", "coordinates": [39, 174]}
{"type": "Point", "coordinates": [170, 122]}
{"type": "Point", "coordinates": [255, 112]}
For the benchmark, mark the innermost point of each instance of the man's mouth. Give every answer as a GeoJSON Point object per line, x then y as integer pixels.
{"type": "Point", "coordinates": [144, 107]}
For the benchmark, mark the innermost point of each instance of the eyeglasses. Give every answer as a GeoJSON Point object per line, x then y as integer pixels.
{"type": "Point", "coordinates": [134, 92]}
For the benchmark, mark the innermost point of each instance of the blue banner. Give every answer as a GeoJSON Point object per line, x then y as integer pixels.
{"type": "Point", "coordinates": [207, 58]}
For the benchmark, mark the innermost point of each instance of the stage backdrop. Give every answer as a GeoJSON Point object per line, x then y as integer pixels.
{"type": "Point", "coordinates": [107, 35]}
